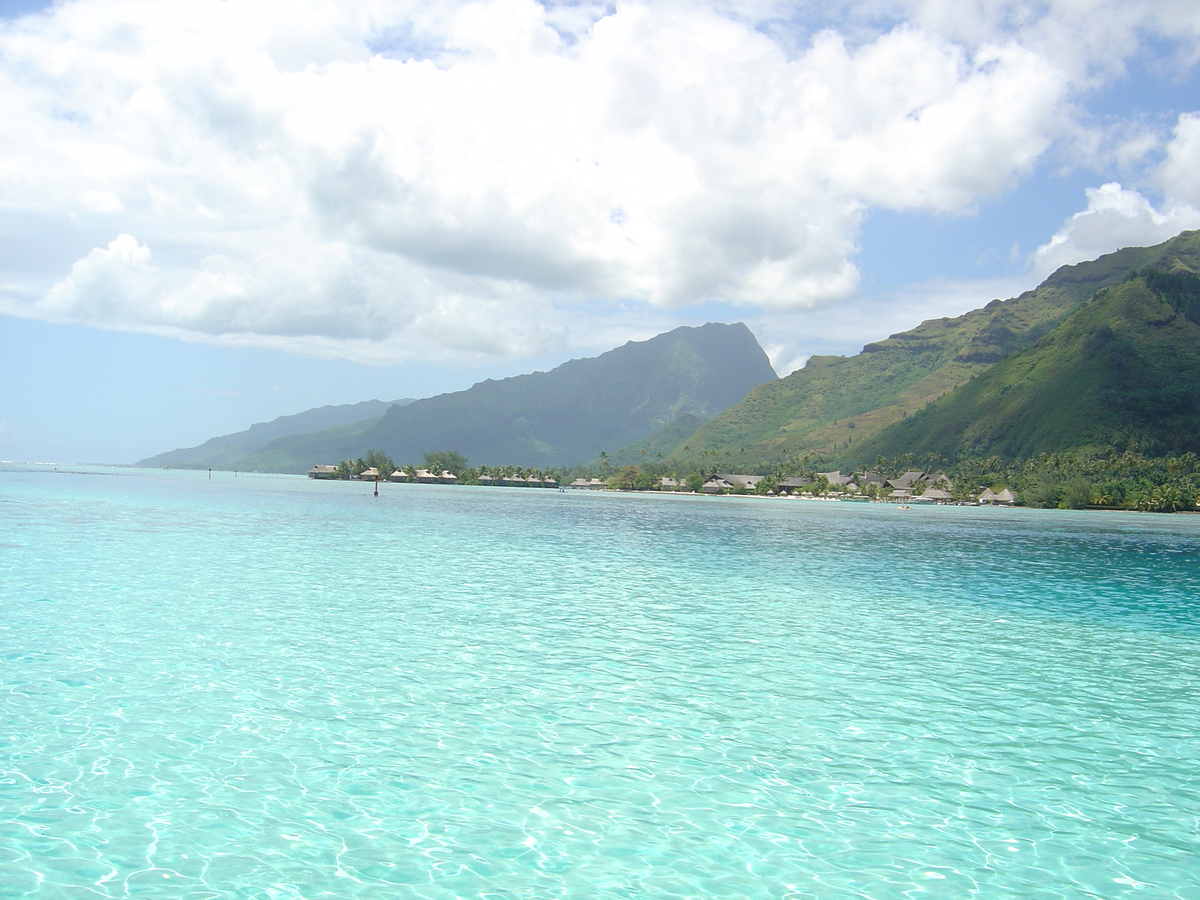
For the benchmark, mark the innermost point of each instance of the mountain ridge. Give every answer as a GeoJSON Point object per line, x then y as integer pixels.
{"type": "Point", "coordinates": [562, 417]}
{"type": "Point", "coordinates": [224, 450]}
{"type": "Point", "coordinates": [1122, 373]}
{"type": "Point", "coordinates": [836, 402]}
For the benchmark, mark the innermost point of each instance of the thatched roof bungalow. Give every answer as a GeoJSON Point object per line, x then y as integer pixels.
{"type": "Point", "coordinates": [990, 498]}
{"type": "Point", "coordinates": [906, 481]}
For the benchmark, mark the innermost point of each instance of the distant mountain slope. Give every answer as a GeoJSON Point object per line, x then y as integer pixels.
{"type": "Point", "coordinates": [655, 446]}
{"type": "Point", "coordinates": [1122, 371]}
{"type": "Point", "coordinates": [558, 418]}
{"type": "Point", "coordinates": [835, 403]}
{"type": "Point", "coordinates": [223, 452]}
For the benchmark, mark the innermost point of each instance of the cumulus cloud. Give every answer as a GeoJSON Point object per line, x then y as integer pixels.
{"type": "Point", "coordinates": [1179, 174]}
{"type": "Point", "coordinates": [1115, 217]}
{"type": "Point", "coordinates": [399, 180]}
{"type": "Point", "coordinates": [1118, 217]}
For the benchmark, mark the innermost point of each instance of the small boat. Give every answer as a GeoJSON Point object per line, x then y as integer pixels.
{"type": "Point", "coordinates": [905, 507]}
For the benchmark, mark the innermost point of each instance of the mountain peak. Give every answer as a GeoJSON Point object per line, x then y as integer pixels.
{"type": "Point", "coordinates": [562, 417]}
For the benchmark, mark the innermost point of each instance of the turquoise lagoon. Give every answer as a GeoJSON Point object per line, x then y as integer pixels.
{"type": "Point", "coordinates": [266, 687]}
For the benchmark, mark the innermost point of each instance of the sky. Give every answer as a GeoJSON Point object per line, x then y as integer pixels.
{"type": "Point", "coordinates": [216, 212]}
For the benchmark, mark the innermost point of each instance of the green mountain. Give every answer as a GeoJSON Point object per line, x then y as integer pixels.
{"type": "Point", "coordinates": [655, 446]}
{"type": "Point", "coordinates": [836, 405]}
{"type": "Point", "coordinates": [226, 451]}
{"type": "Point", "coordinates": [563, 417]}
{"type": "Point", "coordinates": [1123, 372]}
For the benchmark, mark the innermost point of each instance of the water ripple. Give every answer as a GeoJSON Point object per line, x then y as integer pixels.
{"type": "Point", "coordinates": [283, 689]}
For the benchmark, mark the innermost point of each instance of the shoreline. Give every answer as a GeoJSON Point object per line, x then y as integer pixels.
{"type": "Point", "coordinates": [129, 470]}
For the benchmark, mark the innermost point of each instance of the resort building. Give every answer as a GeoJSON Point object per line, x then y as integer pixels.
{"type": "Point", "coordinates": [836, 479]}
{"type": "Point", "coordinates": [934, 495]}
{"type": "Point", "coordinates": [728, 481]}
{"type": "Point", "coordinates": [991, 498]}
{"type": "Point", "coordinates": [590, 484]}
{"type": "Point", "coordinates": [794, 485]}
{"type": "Point", "coordinates": [907, 481]}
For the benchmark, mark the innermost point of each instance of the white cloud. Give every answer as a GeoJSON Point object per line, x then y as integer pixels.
{"type": "Point", "coordinates": [110, 284]}
{"type": "Point", "coordinates": [1179, 174]}
{"type": "Point", "coordinates": [387, 181]}
{"type": "Point", "coordinates": [1088, 38]}
{"type": "Point", "coordinates": [1115, 217]}
{"type": "Point", "coordinates": [1118, 217]}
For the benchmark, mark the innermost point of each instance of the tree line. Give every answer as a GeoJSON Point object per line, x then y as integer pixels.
{"type": "Point", "coordinates": [1125, 479]}
{"type": "Point", "coordinates": [438, 462]}
{"type": "Point", "coordinates": [1113, 480]}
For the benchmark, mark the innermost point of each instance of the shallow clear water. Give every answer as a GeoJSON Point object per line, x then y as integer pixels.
{"type": "Point", "coordinates": [266, 687]}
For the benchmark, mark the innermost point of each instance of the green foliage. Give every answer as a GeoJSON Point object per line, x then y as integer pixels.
{"type": "Point", "coordinates": [446, 461]}
{"type": "Point", "coordinates": [375, 459]}
{"type": "Point", "coordinates": [1075, 494]}
{"type": "Point", "coordinates": [1112, 480]}
{"type": "Point", "coordinates": [1122, 372]}
{"type": "Point", "coordinates": [767, 484]}
{"type": "Point", "coordinates": [1172, 495]}
{"type": "Point", "coordinates": [646, 482]}
{"type": "Point", "coordinates": [626, 479]}
{"type": "Point", "coordinates": [1178, 287]}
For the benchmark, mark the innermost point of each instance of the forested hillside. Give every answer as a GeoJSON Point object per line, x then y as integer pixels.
{"type": "Point", "coordinates": [836, 406]}
{"type": "Point", "coordinates": [563, 417]}
{"type": "Point", "coordinates": [1121, 373]}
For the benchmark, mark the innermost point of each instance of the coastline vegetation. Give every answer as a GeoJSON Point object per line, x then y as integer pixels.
{"type": "Point", "coordinates": [1118, 481]}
